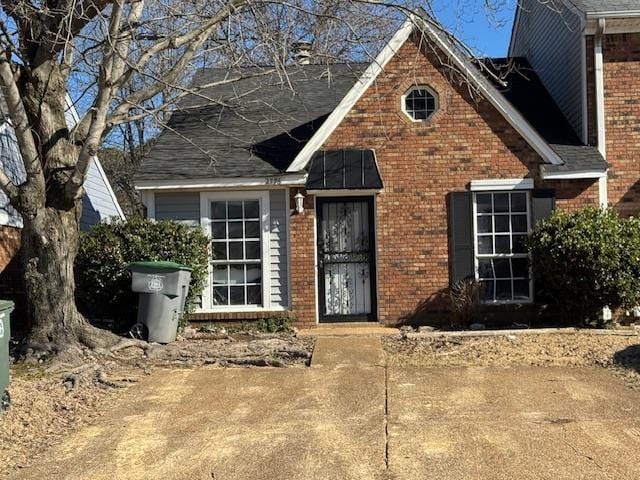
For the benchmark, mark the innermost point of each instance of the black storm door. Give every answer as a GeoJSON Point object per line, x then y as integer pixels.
{"type": "Point", "coordinates": [346, 259]}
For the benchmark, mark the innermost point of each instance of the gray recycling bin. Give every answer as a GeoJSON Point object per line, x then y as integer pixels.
{"type": "Point", "coordinates": [6, 308]}
{"type": "Point", "coordinates": [163, 289]}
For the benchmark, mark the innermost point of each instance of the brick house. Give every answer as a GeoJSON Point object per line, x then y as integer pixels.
{"type": "Point", "coordinates": [363, 191]}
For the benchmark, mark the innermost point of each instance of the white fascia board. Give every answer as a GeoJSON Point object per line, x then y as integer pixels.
{"type": "Point", "coordinates": [501, 184]}
{"type": "Point", "coordinates": [577, 175]}
{"type": "Point", "coordinates": [615, 24]}
{"type": "Point", "coordinates": [105, 179]}
{"type": "Point", "coordinates": [517, 121]}
{"type": "Point", "coordinates": [298, 179]}
{"type": "Point", "coordinates": [350, 99]}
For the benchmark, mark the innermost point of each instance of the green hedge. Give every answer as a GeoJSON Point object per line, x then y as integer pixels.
{"type": "Point", "coordinates": [103, 282]}
{"type": "Point", "coordinates": [586, 260]}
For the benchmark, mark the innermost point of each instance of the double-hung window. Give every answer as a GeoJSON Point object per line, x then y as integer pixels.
{"type": "Point", "coordinates": [502, 223]}
{"type": "Point", "coordinates": [237, 278]}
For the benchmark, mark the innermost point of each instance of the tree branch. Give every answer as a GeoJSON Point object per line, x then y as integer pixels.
{"type": "Point", "coordinates": [20, 122]}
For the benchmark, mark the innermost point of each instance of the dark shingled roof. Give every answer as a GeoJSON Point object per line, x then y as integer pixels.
{"type": "Point", "coordinates": [595, 6]}
{"type": "Point", "coordinates": [525, 91]}
{"type": "Point", "coordinates": [254, 127]}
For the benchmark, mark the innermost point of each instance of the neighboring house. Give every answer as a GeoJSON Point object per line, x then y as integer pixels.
{"type": "Point", "coordinates": [365, 193]}
{"type": "Point", "coordinates": [98, 203]}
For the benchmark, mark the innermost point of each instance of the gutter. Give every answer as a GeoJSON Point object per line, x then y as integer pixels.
{"type": "Point", "coordinates": [600, 106]}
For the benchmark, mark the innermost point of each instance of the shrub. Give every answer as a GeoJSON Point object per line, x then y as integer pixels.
{"type": "Point", "coordinates": [465, 296]}
{"type": "Point", "coordinates": [103, 282]}
{"type": "Point", "coordinates": [274, 325]}
{"type": "Point", "coordinates": [585, 261]}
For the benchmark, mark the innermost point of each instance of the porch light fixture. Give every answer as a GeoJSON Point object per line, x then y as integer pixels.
{"type": "Point", "coordinates": [299, 198]}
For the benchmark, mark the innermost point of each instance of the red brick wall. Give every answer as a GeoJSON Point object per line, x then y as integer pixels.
{"type": "Point", "coordinates": [420, 164]}
{"type": "Point", "coordinates": [622, 112]}
{"type": "Point", "coordinates": [9, 244]}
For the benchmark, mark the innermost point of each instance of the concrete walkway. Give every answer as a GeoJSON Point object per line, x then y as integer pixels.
{"type": "Point", "coordinates": [350, 418]}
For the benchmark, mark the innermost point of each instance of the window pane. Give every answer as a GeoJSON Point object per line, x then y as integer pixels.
{"type": "Point", "coordinates": [220, 296]}
{"type": "Point", "coordinates": [519, 223]}
{"type": "Point", "coordinates": [236, 274]}
{"type": "Point", "coordinates": [420, 104]}
{"type": "Point", "coordinates": [219, 250]}
{"type": "Point", "coordinates": [235, 209]}
{"type": "Point", "coordinates": [235, 229]}
{"type": "Point", "coordinates": [254, 274]}
{"type": "Point", "coordinates": [219, 210]}
{"type": "Point", "coordinates": [503, 290]}
{"type": "Point", "coordinates": [254, 295]}
{"type": "Point", "coordinates": [484, 203]}
{"type": "Point", "coordinates": [519, 244]}
{"type": "Point", "coordinates": [235, 251]}
{"type": "Point", "coordinates": [521, 289]}
{"type": "Point", "coordinates": [485, 269]}
{"type": "Point", "coordinates": [501, 202]}
{"type": "Point", "coordinates": [502, 267]}
{"type": "Point", "coordinates": [420, 115]}
{"type": "Point", "coordinates": [485, 245]}
{"type": "Point", "coordinates": [219, 230]}
{"type": "Point", "coordinates": [253, 250]}
{"type": "Point", "coordinates": [520, 267]}
{"type": "Point", "coordinates": [252, 209]}
{"type": "Point", "coordinates": [488, 287]}
{"type": "Point", "coordinates": [220, 274]}
{"type": "Point", "coordinates": [518, 202]}
{"type": "Point", "coordinates": [502, 223]}
{"type": "Point", "coordinates": [236, 295]}
{"type": "Point", "coordinates": [252, 230]}
{"type": "Point", "coordinates": [485, 224]}
{"type": "Point", "coordinates": [503, 244]}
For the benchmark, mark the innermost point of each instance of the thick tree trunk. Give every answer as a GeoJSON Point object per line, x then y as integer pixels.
{"type": "Point", "coordinates": [49, 247]}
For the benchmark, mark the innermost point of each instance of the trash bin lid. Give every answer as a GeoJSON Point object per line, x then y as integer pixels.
{"type": "Point", "coordinates": [159, 266]}
{"type": "Point", "coordinates": [6, 305]}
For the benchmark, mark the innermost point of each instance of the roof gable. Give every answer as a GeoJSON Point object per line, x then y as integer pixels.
{"type": "Point", "coordinates": [462, 62]}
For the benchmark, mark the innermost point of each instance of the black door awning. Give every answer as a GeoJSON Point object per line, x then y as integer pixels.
{"type": "Point", "coordinates": [343, 170]}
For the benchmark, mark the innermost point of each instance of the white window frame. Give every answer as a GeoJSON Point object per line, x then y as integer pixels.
{"type": "Point", "coordinates": [477, 256]}
{"type": "Point", "coordinates": [265, 228]}
{"type": "Point", "coordinates": [403, 103]}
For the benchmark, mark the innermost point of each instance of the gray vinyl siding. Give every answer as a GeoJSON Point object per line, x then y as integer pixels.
{"type": "Point", "coordinates": [182, 207]}
{"type": "Point", "coordinates": [279, 248]}
{"type": "Point", "coordinates": [11, 164]}
{"type": "Point", "coordinates": [98, 205]}
{"type": "Point", "coordinates": [549, 35]}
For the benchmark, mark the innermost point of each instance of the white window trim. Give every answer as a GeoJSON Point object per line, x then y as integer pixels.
{"type": "Point", "coordinates": [265, 223]}
{"type": "Point", "coordinates": [403, 104]}
{"type": "Point", "coordinates": [498, 184]}
{"type": "Point", "coordinates": [476, 257]}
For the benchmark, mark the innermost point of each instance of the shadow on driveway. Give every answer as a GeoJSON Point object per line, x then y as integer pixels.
{"type": "Point", "coordinates": [628, 358]}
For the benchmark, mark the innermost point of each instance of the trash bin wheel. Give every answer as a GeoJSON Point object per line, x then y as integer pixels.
{"type": "Point", "coordinates": [139, 331]}
{"type": "Point", "coordinates": [5, 401]}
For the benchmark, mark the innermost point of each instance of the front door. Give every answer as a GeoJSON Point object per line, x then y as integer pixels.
{"type": "Point", "coordinates": [346, 261]}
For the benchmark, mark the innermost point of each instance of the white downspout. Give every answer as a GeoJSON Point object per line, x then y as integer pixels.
{"type": "Point", "coordinates": [600, 114]}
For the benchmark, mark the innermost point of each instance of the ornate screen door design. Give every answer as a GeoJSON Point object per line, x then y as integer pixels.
{"type": "Point", "coordinates": [346, 263]}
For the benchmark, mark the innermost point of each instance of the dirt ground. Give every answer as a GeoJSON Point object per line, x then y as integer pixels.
{"type": "Point", "coordinates": [49, 403]}
{"type": "Point", "coordinates": [618, 353]}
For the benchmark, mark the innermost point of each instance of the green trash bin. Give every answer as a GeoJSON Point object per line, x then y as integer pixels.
{"type": "Point", "coordinates": [6, 308]}
{"type": "Point", "coordinates": [162, 289]}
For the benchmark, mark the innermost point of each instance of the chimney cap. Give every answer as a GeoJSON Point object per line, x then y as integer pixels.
{"type": "Point", "coordinates": [302, 52]}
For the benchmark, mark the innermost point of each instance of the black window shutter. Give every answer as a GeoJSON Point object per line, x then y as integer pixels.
{"type": "Point", "coordinates": [543, 202]}
{"type": "Point", "coordinates": [461, 231]}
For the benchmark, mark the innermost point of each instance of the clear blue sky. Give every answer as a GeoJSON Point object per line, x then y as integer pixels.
{"type": "Point", "coordinates": [487, 33]}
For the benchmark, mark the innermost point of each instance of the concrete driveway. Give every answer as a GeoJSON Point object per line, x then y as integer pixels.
{"type": "Point", "coordinates": [355, 419]}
